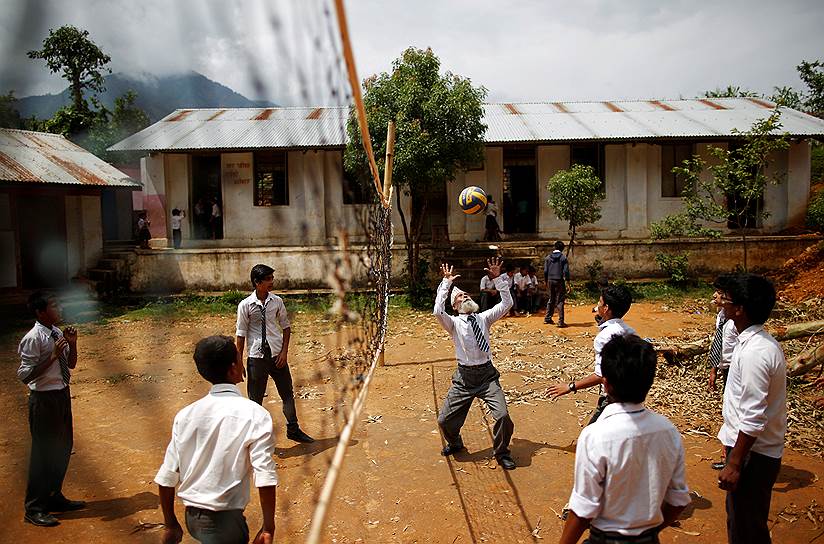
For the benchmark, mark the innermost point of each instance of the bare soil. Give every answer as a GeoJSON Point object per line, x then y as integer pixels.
{"type": "Point", "coordinates": [134, 375]}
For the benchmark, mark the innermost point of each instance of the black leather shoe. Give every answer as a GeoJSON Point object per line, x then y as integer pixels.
{"type": "Point", "coordinates": [41, 519]}
{"type": "Point", "coordinates": [451, 450]}
{"type": "Point", "coordinates": [62, 504]}
{"type": "Point", "coordinates": [562, 325]}
{"type": "Point", "coordinates": [549, 321]}
{"type": "Point", "coordinates": [506, 462]}
{"type": "Point", "coordinates": [299, 436]}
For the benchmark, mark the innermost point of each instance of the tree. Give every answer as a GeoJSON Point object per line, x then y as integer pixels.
{"type": "Point", "coordinates": [69, 51]}
{"type": "Point", "coordinates": [111, 127]}
{"type": "Point", "coordinates": [439, 131]}
{"type": "Point", "coordinates": [732, 91]}
{"type": "Point", "coordinates": [812, 74]}
{"type": "Point", "coordinates": [9, 116]}
{"type": "Point", "coordinates": [575, 196]}
{"type": "Point", "coordinates": [733, 193]}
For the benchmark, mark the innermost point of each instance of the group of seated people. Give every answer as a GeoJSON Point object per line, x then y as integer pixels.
{"type": "Point", "coordinates": [523, 285]}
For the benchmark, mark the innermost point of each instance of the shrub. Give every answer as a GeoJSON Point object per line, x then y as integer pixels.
{"type": "Point", "coordinates": [595, 273]}
{"type": "Point", "coordinates": [815, 211]}
{"type": "Point", "coordinates": [680, 226]}
{"type": "Point", "coordinates": [674, 266]}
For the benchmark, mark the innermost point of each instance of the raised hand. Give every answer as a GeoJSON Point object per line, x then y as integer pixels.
{"type": "Point", "coordinates": [446, 270]}
{"type": "Point", "coordinates": [59, 347]}
{"type": "Point", "coordinates": [493, 267]}
{"type": "Point", "coordinates": [70, 334]}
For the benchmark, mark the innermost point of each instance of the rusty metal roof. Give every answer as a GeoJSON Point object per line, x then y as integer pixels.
{"type": "Point", "coordinates": [256, 128]}
{"type": "Point", "coordinates": [40, 157]}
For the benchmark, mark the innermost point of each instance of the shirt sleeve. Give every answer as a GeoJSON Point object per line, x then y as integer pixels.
{"type": "Point", "coordinates": [598, 344]}
{"type": "Point", "coordinates": [283, 316]}
{"type": "Point", "coordinates": [242, 320]}
{"type": "Point", "coordinates": [502, 308]}
{"type": "Point", "coordinates": [588, 487]}
{"type": "Point", "coordinates": [30, 351]}
{"type": "Point", "coordinates": [678, 494]}
{"type": "Point", "coordinates": [755, 381]}
{"type": "Point", "coordinates": [262, 451]}
{"type": "Point", "coordinates": [439, 311]}
{"type": "Point", "coordinates": [729, 340]}
{"type": "Point", "coordinates": [169, 473]}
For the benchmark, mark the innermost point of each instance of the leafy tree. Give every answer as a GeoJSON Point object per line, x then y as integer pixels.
{"type": "Point", "coordinates": [732, 91]}
{"type": "Point", "coordinates": [787, 97]}
{"type": "Point", "coordinates": [439, 131]}
{"type": "Point", "coordinates": [812, 74]}
{"type": "Point", "coordinates": [69, 51]}
{"type": "Point", "coordinates": [9, 116]}
{"type": "Point", "coordinates": [733, 193]}
{"type": "Point", "coordinates": [112, 126]}
{"type": "Point", "coordinates": [575, 196]}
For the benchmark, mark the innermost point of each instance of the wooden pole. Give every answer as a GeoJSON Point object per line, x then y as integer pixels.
{"type": "Point", "coordinates": [390, 157]}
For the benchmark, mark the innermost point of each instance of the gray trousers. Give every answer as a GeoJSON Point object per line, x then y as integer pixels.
{"type": "Point", "coordinates": [258, 371]}
{"type": "Point", "coordinates": [217, 527]}
{"type": "Point", "coordinates": [469, 382]}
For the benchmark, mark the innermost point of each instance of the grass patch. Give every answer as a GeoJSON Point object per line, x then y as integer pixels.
{"type": "Point", "coordinates": [650, 291]}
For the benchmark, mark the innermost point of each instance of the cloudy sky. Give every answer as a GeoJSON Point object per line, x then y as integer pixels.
{"type": "Point", "coordinates": [288, 51]}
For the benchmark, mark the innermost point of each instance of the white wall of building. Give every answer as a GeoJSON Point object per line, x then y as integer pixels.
{"type": "Point", "coordinates": [84, 233]}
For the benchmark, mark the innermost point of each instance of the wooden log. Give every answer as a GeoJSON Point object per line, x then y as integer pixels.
{"type": "Point", "coordinates": [798, 330]}
{"type": "Point", "coordinates": [806, 361]}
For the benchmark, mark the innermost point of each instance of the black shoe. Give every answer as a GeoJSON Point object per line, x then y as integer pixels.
{"type": "Point", "coordinates": [450, 450]}
{"type": "Point", "coordinates": [299, 436]}
{"type": "Point", "coordinates": [41, 519]}
{"type": "Point", "coordinates": [562, 325]}
{"type": "Point", "coordinates": [719, 465]}
{"type": "Point", "coordinates": [549, 321]}
{"type": "Point", "coordinates": [506, 462]}
{"type": "Point", "coordinates": [62, 504]}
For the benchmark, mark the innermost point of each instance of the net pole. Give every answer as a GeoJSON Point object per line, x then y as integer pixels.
{"type": "Point", "coordinates": [387, 191]}
{"type": "Point", "coordinates": [358, 98]}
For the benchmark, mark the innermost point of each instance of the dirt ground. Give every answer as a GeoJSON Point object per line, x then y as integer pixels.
{"type": "Point", "coordinates": [135, 374]}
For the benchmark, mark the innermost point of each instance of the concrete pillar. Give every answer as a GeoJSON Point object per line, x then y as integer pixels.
{"type": "Point", "coordinates": [798, 182]}
{"type": "Point", "coordinates": [551, 159]}
{"type": "Point", "coordinates": [636, 191]}
{"type": "Point", "coordinates": [153, 178]}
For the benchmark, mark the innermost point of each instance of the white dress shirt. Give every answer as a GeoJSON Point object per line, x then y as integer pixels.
{"type": "Point", "coordinates": [609, 328]}
{"type": "Point", "coordinates": [728, 343]}
{"type": "Point", "coordinates": [217, 442]}
{"type": "Point", "coordinates": [467, 351]}
{"type": "Point", "coordinates": [35, 349]}
{"type": "Point", "coordinates": [487, 283]}
{"type": "Point", "coordinates": [249, 323]}
{"type": "Point", "coordinates": [521, 281]}
{"type": "Point", "coordinates": [755, 398]}
{"type": "Point", "coordinates": [627, 464]}
{"type": "Point", "coordinates": [176, 221]}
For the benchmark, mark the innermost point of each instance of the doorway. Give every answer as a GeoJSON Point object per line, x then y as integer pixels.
{"type": "Point", "coordinates": [207, 198]}
{"type": "Point", "coordinates": [43, 252]}
{"type": "Point", "coordinates": [520, 188]}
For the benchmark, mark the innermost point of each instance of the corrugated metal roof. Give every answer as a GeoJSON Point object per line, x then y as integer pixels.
{"type": "Point", "coordinates": [255, 128]}
{"type": "Point", "coordinates": [40, 157]}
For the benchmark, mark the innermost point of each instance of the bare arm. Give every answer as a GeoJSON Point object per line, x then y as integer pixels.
{"type": "Point", "coordinates": [670, 513]}
{"type": "Point", "coordinates": [266, 535]}
{"type": "Point", "coordinates": [240, 344]}
{"type": "Point", "coordinates": [283, 356]}
{"type": "Point", "coordinates": [728, 479]}
{"type": "Point", "coordinates": [560, 389]}
{"type": "Point", "coordinates": [173, 533]}
{"type": "Point", "coordinates": [70, 334]}
{"type": "Point", "coordinates": [573, 528]}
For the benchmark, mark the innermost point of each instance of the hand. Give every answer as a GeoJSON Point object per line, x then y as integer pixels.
{"type": "Point", "coordinates": [172, 534]}
{"type": "Point", "coordinates": [728, 477]}
{"type": "Point", "coordinates": [264, 536]}
{"type": "Point", "coordinates": [282, 359]}
{"type": "Point", "coordinates": [558, 390]}
{"type": "Point", "coordinates": [493, 267]}
{"type": "Point", "coordinates": [70, 334]}
{"type": "Point", "coordinates": [713, 376]}
{"type": "Point", "coordinates": [446, 270]}
{"type": "Point", "coordinates": [59, 347]}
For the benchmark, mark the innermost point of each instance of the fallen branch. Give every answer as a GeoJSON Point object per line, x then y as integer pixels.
{"type": "Point", "coordinates": [797, 330]}
{"type": "Point", "coordinates": [805, 361]}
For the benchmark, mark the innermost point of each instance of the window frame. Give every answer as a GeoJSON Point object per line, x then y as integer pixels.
{"type": "Point", "coordinates": [258, 164]}
{"type": "Point", "coordinates": [600, 160]}
{"type": "Point", "coordinates": [674, 178]}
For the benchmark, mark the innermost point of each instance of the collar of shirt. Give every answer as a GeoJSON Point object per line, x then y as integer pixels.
{"type": "Point", "coordinates": [749, 332]}
{"type": "Point", "coordinates": [621, 408]}
{"type": "Point", "coordinates": [256, 300]}
{"type": "Point", "coordinates": [608, 322]}
{"type": "Point", "coordinates": [46, 330]}
{"type": "Point", "coordinates": [219, 388]}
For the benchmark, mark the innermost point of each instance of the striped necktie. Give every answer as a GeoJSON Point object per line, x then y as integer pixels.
{"type": "Point", "coordinates": [264, 343]}
{"type": "Point", "coordinates": [715, 347]}
{"type": "Point", "coordinates": [64, 360]}
{"type": "Point", "coordinates": [476, 330]}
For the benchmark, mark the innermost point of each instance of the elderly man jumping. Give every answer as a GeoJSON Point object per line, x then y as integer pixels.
{"type": "Point", "coordinates": [475, 375]}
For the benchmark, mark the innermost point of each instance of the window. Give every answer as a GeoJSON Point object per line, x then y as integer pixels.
{"type": "Point", "coordinates": [271, 181]}
{"type": "Point", "coordinates": [590, 154]}
{"type": "Point", "coordinates": [672, 155]}
{"type": "Point", "coordinates": [355, 191]}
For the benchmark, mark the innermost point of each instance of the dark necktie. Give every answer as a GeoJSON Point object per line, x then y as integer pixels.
{"type": "Point", "coordinates": [715, 347]}
{"type": "Point", "coordinates": [264, 344]}
{"type": "Point", "coordinates": [476, 330]}
{"type": "Point", "coordinates": [64, 360]}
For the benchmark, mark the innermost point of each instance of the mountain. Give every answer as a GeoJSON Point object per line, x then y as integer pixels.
{"type": "Point", "coordinates": [157, 96]}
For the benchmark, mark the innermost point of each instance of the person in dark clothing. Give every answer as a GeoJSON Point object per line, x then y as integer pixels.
{"type": "Point", "coordinates": [556, 274]}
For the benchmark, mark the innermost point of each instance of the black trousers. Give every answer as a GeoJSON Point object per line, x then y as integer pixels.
{"type": "Point", "coordinates": [557, 296]}
{"type": "Point", "coordinates": [177, 236]}
{"type": "Point", "coordinates": [50, 425]}
{"type": "Point", "coordinates": [217, 527]}
{"type": "Point", "coordinates": [258, 372]}
{"type": "Point", "coordinates": [597, 536]}
{"type": "Point", "coordinates": [748, 507]}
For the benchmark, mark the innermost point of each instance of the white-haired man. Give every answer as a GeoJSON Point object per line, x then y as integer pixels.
{"type": "Point", "coordinates": [475, 376]}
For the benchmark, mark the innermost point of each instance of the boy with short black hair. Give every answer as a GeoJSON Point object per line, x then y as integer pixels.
{"type": "Point", "coordinates": [217, 443]}
{"type": "Point", "coordinates": [614, 495]}
{"type": "Point", "coordinates": [47, 356]}
{"type": "Point", "coordinates": [755, 411]}
{"type": "Point", "coordinates": [262, 318]}
{"type": "Point", "coordinates": [613, 304]}
{"type": "Point", "coordinates": [556, 274]}
{"type": "Point", "coordinates": [177, 221]}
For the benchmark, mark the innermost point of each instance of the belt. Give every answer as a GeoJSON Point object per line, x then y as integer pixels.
{"type": "Point", "coordinates": [597, 536]}
{"type": "Point", "coordinates": [473, 367]}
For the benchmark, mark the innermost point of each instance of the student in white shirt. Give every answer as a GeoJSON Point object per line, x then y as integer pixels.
{"type": "Point", "coordinates": [755, 411]}
{"type": "Point", "coordinates": [217, 443]}
{"type": "Point", "coordinates": [476, 376]}
{"type": "Point", "coordinates": [523, 300]}
{"type": "Point", "coordinates": [177, 222]}
{"type": "Point", "coordinates": [629, 465]}
{"type": "Point", "coordinates": [489, 294]}
{"type": "Point", "coordinates": [613, 304]}
{"type": "Point", "coordinates": [269, 350]}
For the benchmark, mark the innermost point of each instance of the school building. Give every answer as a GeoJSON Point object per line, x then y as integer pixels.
{"type": "Point", "coordinates": [271, 179]}
{"type": "Point", "coordinates": [57, 203]}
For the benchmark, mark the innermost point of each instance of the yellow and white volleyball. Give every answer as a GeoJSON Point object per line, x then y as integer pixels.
{"type": "Point", "coordinates": [472, 200]}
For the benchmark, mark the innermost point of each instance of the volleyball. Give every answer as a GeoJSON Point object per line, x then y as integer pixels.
{"type": "Point", "coordinates": [472, 200]}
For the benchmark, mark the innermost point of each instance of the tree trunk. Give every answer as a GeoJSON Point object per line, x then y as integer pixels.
{"type": "Point", "coordinates": [798, 330]}
{"type": "Point", "coordinates": [806, 361]}
{"type": "Point", "coordinates": [407, 239]}
{"type": "Point", "coordinates": [571, 239]}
